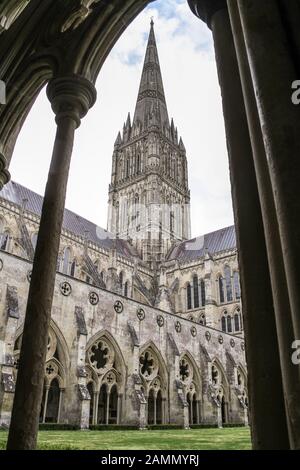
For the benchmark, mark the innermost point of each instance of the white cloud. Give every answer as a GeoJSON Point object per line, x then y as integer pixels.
{"type": "Point", "coordinates": [193, 97]}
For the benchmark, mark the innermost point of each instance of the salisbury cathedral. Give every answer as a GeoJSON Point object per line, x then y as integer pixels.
{"type": "Point", "coordinates": [146, 324]}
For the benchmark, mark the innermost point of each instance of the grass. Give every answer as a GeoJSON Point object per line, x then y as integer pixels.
{"type": "Point", "coordinates": [194, 439]}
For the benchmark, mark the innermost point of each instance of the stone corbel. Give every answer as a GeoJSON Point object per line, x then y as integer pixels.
{"type": "Point", "coordinates": [79, 16]}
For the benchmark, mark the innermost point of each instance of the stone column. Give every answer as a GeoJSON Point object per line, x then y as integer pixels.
{"type": "Point", "coordinates": [61, 394]}
{"type": "Point", "coordinates": [280, 119]}
{"type": "Point", "coordinates": [95, 410]}
{"type": "Point", "coordinates": [284, 322]}
{"type": "Point", "coordinates": [70, 97]}
{"type": "Point", "coordinates": [47, 387]}
{"type": "Point", "coordinates": [107, 408]}
{"type": "Point", "coordinates": [119, 409]}
{"type": "Point", "coordinates": [259, 318]}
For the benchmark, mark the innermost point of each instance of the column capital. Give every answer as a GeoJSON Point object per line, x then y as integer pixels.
{"type": "Point", "coordinates": [205, 9]}
{"type": "Point", "coordinates": [71, 96]}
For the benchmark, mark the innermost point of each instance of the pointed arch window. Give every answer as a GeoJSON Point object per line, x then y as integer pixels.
{"type": "Point", "coordinates": [196, 291]}
{"type": "Point", "coordinates": [73, 269]}
{"type": "Point", "coordinates": [221, 290]}
{"type": "Point", "coordinates": [227, 273]}
{"type": "Point", "coordinates": [34, 240]}
{"type": "Point", "coordinates": [121, 279]}
{"type": "Point", "coordinates": [223, 322]}
{"type": "Point", "coordinates": [4, 241]}
{"type": "Point", "coordinates": [127, 167]}
{"type": "Point", "coordinates": [237, 288]}
{"type": "Point", "coordinates": [203, 296]}
{"type": "Point", "coordinates": [237, 322]}
{"type": "Point", "coordinates": [138, 164]}
{"type": "Point", "coordinates": [238, 326]}
{"type": "Point", "coordinates": [229, 324]}
{"type": "Point", "coordinates": [189, 296]}
{"type": "Point", "coordinates": [126, 289]}
{"type": "Point", "coordinates": [66, 261]}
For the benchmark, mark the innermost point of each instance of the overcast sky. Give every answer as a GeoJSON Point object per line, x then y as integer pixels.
{"type": "Point", "coordinates": [193, 98]}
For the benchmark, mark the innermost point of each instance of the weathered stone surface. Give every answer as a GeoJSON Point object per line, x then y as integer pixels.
{"type": "Point", "coordinates": [12, 303]}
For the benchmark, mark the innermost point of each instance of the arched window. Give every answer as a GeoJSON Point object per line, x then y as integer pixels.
{"type": "Point", "coordinates": [238, 325]}
{"type": "Point", "coordinates": [34, 240]}
{"type": "Point", "coordinates": [66, 261]}
{"type": "Point", "coordinates": [221, 290]}
{"type": "Point", "coordinates": [227, 273]}
{"type": "Point", "coordinates": [202, 288]}
{"type": "Point", "coordinates": [4, 239]}
{"type": "Point", "coordinates": [229, 324]}
{"type": "Point", "coordinates": [189, 296]}
{"type": "Point", "coordinates": [73, 269]}
{"type": "Point", "coordinates": [237, 322]}
{"type": "Point", "coordinates": [138, 164]}
{"type": "Point", "coordinates": [126, 289]}
{"type": "Point", "coordinates": [196, 291]}
{"type": "Point", "coordinates": [127, 167]}
{"type": "Point", "coordinates": [121, 278]}
{"type": "Point", "coordinates": [237, 288]}
{"type": "Point", "coordinates": [224, 326]}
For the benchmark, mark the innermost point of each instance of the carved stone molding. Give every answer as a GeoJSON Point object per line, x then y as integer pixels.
{"type": "Point", "coordinates": [71, 96]}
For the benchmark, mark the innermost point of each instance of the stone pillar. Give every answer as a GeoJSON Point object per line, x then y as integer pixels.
{"type": "Point", "coordinates": [285, 331]}
{"type": "Point", "coordinates": [264, 375]}
{"type": "Point", "coordinates": [95, 407]}
{"type": "Point", "coordinates": [107, 408]}
{"type": "Point", "coordinates": [61, 394]}
{"type": "Point", "coordinates": [280, 119]}
{"type": "Point", "coordinates": [47, 387]}
{"type": "Point", "coordinates": [70, 97]}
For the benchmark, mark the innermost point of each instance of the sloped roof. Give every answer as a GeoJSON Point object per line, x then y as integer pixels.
{"type": "Point", "coordinates": [79, 226]}
{"type": "Point", "coordinates": [211, 243]}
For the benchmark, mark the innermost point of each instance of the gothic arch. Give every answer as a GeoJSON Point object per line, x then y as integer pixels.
{"type": "Point", "coordinates": [118, 355]}
{"type": "Point", "coordinates": [223, 381]}
{"type": "Point", "coordinates": [162, 371]}
{"type": "Point", "coordinates": [196, 372]}
{"type": "Point", "coordinates": [106, 379]}
{"type": "Point", "coordinates": [63, 349]}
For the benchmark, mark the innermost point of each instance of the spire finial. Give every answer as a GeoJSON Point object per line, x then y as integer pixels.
{"type": "Point", "coordinates": [152, 21]}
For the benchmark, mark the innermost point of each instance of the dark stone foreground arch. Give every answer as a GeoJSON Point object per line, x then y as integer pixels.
{"type": "Point", "coordinates": [263, 136]}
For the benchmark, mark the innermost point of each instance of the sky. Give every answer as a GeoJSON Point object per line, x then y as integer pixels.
{"type": "Point", "coordinates": [193, 97]}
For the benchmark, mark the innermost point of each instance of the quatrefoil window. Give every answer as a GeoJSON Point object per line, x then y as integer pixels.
{"type": "Point", "coordinates": [65, 288]}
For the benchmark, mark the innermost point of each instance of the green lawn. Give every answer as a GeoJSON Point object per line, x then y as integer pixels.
{"type": "Point", "coordinates": [196, 439]}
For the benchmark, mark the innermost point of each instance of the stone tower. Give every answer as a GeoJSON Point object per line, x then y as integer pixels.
{"type": "Point", "coordinates": [149, 198]}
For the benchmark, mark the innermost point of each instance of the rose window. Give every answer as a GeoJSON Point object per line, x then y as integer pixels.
{"type": "Point", "coordinates": [148, 365]}
{"type": "Point", "coordinates": [101, 356]}
{"type": "Point", "coordinates": [185, 371]}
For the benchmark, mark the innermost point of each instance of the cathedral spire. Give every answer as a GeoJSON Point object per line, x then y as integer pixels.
{"type": "Point", "coordinates": [151, 108]}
